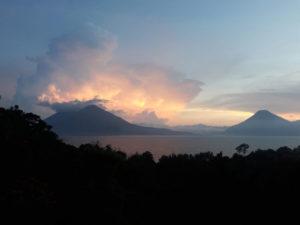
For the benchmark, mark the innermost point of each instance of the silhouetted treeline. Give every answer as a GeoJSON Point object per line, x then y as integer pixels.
{"type": "Point", "coordinates": [45, 181]}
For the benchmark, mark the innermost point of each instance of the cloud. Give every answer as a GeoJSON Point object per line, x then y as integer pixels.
{"type": "Point", "coordinates": [149, 118]}
{"type": "Point", "coordinates": [72, 105]}
{"type": "Point", "coordinates": [145, 118]}
{"type": "Point", "coordinates": [83, 47]}
{"type": "Point", "coordinates": [79, 66]}
{"type": "Point", "coordinates": [65, 66]}
{"type": "Point", "coordinates": [9, 73]}
{"type": "Point", "coordinates": [276, 101]}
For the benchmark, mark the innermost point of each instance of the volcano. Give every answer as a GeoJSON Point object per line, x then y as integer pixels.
{"type": "Point", "coordinates": [93, 120]}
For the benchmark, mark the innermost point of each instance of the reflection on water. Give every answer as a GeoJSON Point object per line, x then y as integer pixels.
{"type": "Point", "coordinates": [163, 145]}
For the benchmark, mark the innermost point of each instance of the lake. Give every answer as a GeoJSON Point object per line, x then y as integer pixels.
{"type": "Point", "coordinates": [192, 144]}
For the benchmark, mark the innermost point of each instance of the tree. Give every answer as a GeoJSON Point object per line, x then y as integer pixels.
{"type": "Point", "coordinates": [242, 149]}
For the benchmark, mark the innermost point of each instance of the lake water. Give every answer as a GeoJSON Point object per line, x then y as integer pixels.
{"type": "Point", "coordinates": [165, 145]}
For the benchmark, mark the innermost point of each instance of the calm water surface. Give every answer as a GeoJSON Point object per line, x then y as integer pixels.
{"type": "Point", "coordinates": [164, 145]}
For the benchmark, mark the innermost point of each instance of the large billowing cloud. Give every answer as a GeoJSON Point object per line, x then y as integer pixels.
{"type": "Point", "coordinates": [79, 66]}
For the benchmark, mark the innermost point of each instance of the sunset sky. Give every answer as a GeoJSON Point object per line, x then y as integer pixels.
{"type": "Point", "coordinates": [160, 61]}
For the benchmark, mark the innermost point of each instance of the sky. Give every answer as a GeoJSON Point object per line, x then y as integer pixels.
{"type": "Point", "coordinates": [161, 62]}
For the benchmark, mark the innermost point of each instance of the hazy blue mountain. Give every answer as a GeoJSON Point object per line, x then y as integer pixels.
{"type": "Point", "coordinates": [200, 129]}
{"type": "Point", "coordinates": [265, 123]}
{"type": "Point", "coordinates": [93, 120]}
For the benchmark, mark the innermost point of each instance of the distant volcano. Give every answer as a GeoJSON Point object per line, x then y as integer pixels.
{"type": "Point", "coordinates": [265, 123]}
{"type": "Point", "coordinates": [93, 120]}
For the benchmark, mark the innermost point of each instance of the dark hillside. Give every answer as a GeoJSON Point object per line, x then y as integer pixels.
{"type": "Point", "coordinates": [45, 181]}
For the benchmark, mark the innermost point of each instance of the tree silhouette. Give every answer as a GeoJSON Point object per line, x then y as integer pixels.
{"type": "Point", "coordinates": [242, 149]}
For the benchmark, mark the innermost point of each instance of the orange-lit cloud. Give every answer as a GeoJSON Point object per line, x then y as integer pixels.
{"type": "Point", "coordinates": [80, 66]}
{"type": "Point", "coordinates": [131, 90]}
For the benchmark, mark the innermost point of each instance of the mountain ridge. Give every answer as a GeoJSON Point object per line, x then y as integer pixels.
{"type": "Point", "coordinates": [92, 120]}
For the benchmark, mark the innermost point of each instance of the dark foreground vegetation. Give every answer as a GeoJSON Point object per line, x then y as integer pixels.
{"type": "Point", "coordinates": [45, 181]}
